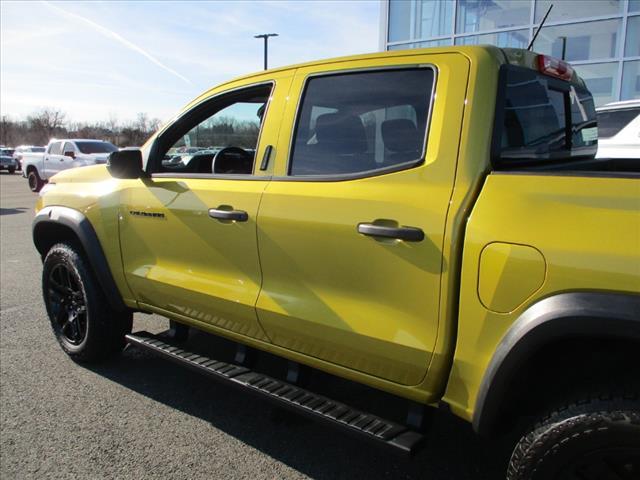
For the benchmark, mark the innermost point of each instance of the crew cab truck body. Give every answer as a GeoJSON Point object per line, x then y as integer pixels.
{"type": "Point", "coordinates": [63, 154]}
{"type": "Point", "coordinates": [429, 223]}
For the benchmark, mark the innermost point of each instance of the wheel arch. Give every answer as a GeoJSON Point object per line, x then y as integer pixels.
{"type": "Point", "coordinates": [551, 321]}
{"type": "Point", "coordinates": [55, 224]}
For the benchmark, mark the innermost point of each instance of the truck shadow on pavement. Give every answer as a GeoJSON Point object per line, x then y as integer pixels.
{"type": "Point", "coordinates": [452, 450]}
{"type": "Point", "coordinates": [12, 211]}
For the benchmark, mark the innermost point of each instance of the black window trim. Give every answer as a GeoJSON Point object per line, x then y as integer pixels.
{"type": "Point", "coordinates": [154, 156]}
{"type": "Point", "coordinates": [365, 173]}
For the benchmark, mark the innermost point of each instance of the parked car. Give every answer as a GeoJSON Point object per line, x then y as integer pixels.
{"type": "Point", "coordinates": [22, 149]}
{"type": "Point", "coordinates": [62, 155]}
{"type": "Point", "coordinates": [429, 223]}
{"type": "Point", "coordinates": [619, 130]}
{"type": "Point", "coordinates": [7, 162]}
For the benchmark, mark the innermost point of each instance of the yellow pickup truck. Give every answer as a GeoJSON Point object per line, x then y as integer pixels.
{"type": "Point", "coordinates": [431, 223]}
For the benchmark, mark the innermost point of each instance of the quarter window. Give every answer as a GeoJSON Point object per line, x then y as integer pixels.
{"type": "Point", "coordinates": [360, 122]}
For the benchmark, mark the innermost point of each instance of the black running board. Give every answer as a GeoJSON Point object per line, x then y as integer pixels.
{"type": "Point", "coordinates": [394, 435]}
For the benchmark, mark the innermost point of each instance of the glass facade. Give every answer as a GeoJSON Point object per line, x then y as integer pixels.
{"type": "Point", "coordinates": [601, 38]}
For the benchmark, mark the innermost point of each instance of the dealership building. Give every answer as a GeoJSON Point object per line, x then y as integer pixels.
{"type": "Point", "coordinates": [600, 38]}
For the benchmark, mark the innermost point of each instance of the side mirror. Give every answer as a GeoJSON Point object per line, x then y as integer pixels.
{"type": "Point", "coordinates": [125, 164]}
{"type": "Point", "coordinates": [70, 154]}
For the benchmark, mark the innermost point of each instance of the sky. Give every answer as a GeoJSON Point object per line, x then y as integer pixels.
{"type": "Point", "coordinates": [110, 60]}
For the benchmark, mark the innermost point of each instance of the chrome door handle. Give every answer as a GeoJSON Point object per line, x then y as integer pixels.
{"type": "Point", "coordinates": [237, 215]}
{"type": "Point", "coordinates": [408, 234]}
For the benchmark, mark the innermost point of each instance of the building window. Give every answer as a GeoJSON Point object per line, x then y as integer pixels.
{"type": "Point", "coordinates": [483, 15]}
{"type": "Point", "coordinates": [513, 39]}
{"type": "Point", "coordinates": [585, 41]}
{"type": "Point", "coordinates": [632, 42]}
{"type": "Point", "coordinates": [630, 80]}
{"type": "Point", "coordinates": [601, 38]}
{"type": "Point", "coordinates": [601, 80]}
{"type": "Point", "coordinates": [445, 42]}
{"type": "Point", "coordinates": [568, 10]}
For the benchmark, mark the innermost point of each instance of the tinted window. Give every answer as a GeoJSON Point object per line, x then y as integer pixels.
{"type": "Point", "coordinates": [358, 122]}
{"type": "Point", "coordinates": [55, 148]}
{"type": "Point", "coordinates": [37, 149]}
{"type": "Point", "coordinates": [612, 121]}
{"type": "Point", "coordinates": [545, 119]}
{"type": "Point", "coordinates": [96, 147]}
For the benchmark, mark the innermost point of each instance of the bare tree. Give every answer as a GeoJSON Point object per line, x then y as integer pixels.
{"type": "Point", "coordinates": [114, 127]}
{"type": "Point", "coordinates": [7, 131]}
{"type": "Point", "coordinates": [47, 121]}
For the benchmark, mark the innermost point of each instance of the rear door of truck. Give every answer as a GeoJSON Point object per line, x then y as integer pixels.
{"type": "Point", "coordinates": [351, 225]}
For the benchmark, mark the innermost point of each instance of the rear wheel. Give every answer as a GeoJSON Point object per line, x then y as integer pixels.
{"type": "Point", "coordinates": [84, 324]}
{"type": "Point", "coordinates": [591, 439]}
{"type": "Point", "coordinates": [35, 182]}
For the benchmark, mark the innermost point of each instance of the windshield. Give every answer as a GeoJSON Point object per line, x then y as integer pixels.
{"type": "Point", "coordinates": [37, 149]}
{"type": "Point", "coordinates": [96, 147]}
{"type": "Point", "coordinates": [6, 151]}
{"type": "Point", "coordinates": [610, 122]}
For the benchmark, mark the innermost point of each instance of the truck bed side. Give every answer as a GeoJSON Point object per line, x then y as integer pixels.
{"type": "Point", "coordinates": [531, 236]}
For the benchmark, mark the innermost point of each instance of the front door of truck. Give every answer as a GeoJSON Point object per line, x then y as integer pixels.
{"type": "Point", "coordinates": [351, 231]}
{"type": "Point", "coordinates": [52, 159]}
{"type": "Point", "coordinates": [189, 231]}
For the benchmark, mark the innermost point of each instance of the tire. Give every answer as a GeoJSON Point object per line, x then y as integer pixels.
{"type": "Point", "coordinates": [594, 438]}
{"type": "Point", "coordinates": [12, 170]}
{"type": "Point", "coordinates": [35, 182]}
{"type": "Point", "coordinates": [83, 322]}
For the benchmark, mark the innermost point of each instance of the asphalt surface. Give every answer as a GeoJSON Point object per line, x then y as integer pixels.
{"type": "Point", "coordinates": [138, 416]}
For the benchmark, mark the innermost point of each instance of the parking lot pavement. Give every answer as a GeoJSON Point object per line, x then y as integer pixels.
{"type": "Point", "coordinates": [141, 417]}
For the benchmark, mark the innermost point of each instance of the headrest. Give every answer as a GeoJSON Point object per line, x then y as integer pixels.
{"type": "Point", "coordinates": [401, 135]}
{"type": "Point", "coordinates": [342, 134]}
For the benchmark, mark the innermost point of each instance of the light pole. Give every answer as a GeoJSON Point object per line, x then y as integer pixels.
{"type": "Point", "coordinates": [266, 44]}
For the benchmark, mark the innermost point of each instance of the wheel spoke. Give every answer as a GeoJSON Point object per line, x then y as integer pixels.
{"type": "Point", "coordinates": [67, 303]}
{"type": "Point", "coordinates": [75, 332]}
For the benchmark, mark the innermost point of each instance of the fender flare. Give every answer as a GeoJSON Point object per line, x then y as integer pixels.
{"type": "Point", "coordinates": [610, 315]}
{"type": "Point", "coordinates": [83, 230]}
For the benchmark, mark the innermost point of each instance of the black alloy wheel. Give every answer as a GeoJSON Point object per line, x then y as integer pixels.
{"type": "Point", "coordinates": [84, 322]}
{"type": "Point", "coordinates": [68, 304]}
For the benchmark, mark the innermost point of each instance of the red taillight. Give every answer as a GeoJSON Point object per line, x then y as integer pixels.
{"type": "Point", "coordinates": [554, 67]}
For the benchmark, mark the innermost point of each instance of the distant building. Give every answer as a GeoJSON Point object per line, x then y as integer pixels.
{"type": "Point", "coordinates": [602, 37]}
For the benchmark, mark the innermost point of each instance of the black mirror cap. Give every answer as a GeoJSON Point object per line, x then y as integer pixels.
{"type": "Point", "coordinates": [125, 163]}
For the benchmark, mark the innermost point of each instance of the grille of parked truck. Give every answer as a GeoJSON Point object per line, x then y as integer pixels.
{"type": "Point", "coordinates": [431, 223]}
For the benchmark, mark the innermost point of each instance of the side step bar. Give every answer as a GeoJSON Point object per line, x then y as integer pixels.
{"type": "Point", "coordinates": [394, 435]}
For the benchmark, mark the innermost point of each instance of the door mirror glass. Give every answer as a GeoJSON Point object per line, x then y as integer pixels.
{"type": "Point", "coordinates": [125, 164]}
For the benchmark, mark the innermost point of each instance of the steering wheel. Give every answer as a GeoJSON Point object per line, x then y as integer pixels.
{"type": "Point", "coordinates": [227, 161]}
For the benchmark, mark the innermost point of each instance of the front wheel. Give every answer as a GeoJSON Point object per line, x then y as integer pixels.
{"type": "Point", "coordinates": [85, 325]}
{"type": "Point", "coordinates": [590, 439]}
{"type": "Point", "coordinates": [35, 182]}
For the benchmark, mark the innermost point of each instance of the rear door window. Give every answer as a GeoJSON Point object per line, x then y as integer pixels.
{"type": "Point", "coordinates": [360, 122]}
{"type": "Point", "coordinates": [610, 122]}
